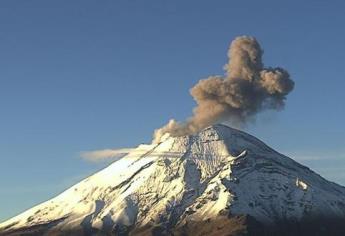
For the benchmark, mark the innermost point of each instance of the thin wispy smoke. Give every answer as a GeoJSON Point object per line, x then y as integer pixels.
{"type": "Point", "coordinates": [100, 155]}
{"type": "Point", "coordinates": [246, 89]}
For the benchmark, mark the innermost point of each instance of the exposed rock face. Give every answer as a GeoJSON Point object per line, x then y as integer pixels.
{"type": "Point", "coordinates": [220, 181]}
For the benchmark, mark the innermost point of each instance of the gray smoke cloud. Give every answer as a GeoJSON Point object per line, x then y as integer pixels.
{"type": "Point", "coordinates": [246, 89]}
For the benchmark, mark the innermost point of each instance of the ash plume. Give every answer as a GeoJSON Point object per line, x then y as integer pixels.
{"type": "Point", "coordinates": [246, 89]}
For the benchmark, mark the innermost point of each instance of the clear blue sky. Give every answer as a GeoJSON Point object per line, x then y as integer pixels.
{"type": "Point", "coordinates": [87, 75]}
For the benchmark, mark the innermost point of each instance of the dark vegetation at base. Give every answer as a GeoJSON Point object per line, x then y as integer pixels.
{"type": "Point", "coordinates": [234, 226]}
{"type": "Point", "coordinates": [33, 230]}
{"type": "Point", "coordinates": [307, 227]}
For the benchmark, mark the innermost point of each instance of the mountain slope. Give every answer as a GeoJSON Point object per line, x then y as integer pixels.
{"type": "Point", "coordinates": [220, 176]}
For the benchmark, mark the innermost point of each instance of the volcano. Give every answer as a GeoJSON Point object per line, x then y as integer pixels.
{"type": "Point", "coordinates": [220, 181]}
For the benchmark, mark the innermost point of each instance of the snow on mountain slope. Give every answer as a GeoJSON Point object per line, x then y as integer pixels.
{"type": "Point", "coordinates": [217, 172]}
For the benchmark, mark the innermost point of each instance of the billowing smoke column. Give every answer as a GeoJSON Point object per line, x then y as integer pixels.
{"type": "Point", "coordinates": [246, 89]}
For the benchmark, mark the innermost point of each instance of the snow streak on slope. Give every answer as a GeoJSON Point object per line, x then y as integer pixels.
{"type": "Point", "coordinates": [217, 172]}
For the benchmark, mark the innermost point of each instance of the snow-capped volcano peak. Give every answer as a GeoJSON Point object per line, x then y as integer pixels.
{"type": "Point", "coordinates": [215, 173]}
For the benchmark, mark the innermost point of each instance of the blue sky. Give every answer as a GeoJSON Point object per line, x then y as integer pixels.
{"type": "Point", "coordinates": [87, 75]}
